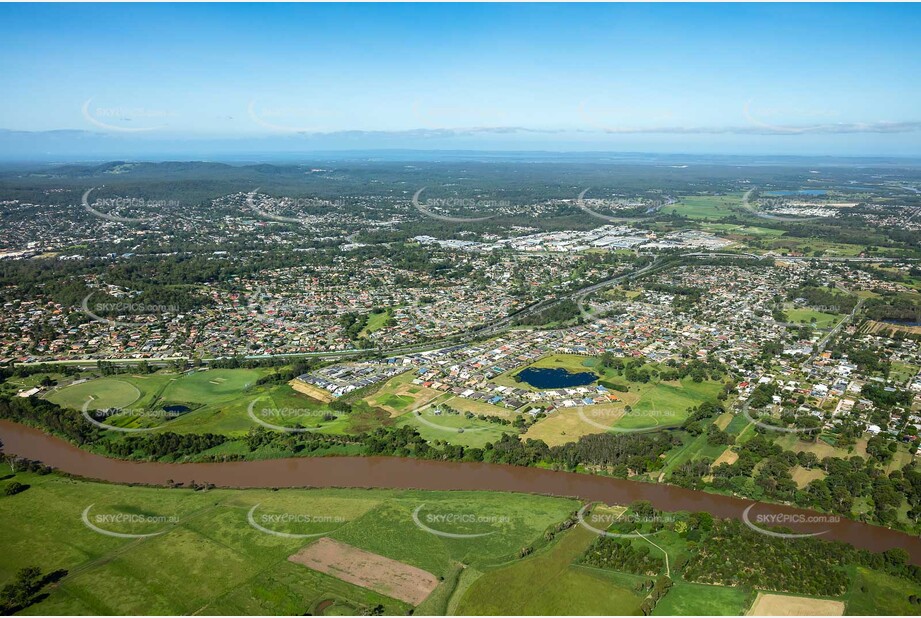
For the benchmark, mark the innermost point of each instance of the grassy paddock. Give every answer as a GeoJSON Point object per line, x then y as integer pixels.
{"type": "Point", "coordinates": [548, 583]}
{"type": "Point", "coordinates": [687, 599]}
{"type": "Point", "coordinates": [209, 559]}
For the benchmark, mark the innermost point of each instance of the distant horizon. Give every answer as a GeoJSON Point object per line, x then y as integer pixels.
{"type": "Point", "coordinates": [445, 155]}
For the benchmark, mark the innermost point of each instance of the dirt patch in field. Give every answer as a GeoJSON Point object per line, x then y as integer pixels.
{"type": "Point", "coordinates": [372, 571]}
{"type": "Point", "coordinates": [783, 605]}
{"type": "Point", "coordinates": [566, 425]}
{"type": "Point", "coordinates": [723, 420]}
{"type": "Point", "coordinates": [728, 456]}
{"type": "Point", "coordinates": [314, 392]}
{"type": "Point", "coordinates": [419, 395]}
{"type": "Point", "coordinates": [480, 407]}
{"type": "Point", "coordinates": [804, 476]}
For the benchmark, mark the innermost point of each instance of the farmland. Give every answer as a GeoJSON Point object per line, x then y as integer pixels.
{"type": "Point", "coordinates": [465, 552]}
{"type": "Point", "coordinates": [202, 529]}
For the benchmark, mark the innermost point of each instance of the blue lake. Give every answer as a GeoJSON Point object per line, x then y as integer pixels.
{"type": "Point", "coordinates": [556, 378]}
{"type": "Point", "coordinates": [176, 409]}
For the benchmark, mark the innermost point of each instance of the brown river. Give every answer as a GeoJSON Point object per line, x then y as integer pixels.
{"type": "Point", "coordinates": [401, 473]}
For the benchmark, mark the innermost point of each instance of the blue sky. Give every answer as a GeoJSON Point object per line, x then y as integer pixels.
{"type": "Point", "coordinates": [816, 79]}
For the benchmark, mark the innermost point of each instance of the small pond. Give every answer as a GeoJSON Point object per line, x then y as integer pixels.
{"type": "Point", "coordinates": [556, 378]}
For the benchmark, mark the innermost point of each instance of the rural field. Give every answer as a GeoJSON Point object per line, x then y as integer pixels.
{"type": "Point", "coordinates": [132, 549]}
{"type": "Point", "coordinates": [175, 571]}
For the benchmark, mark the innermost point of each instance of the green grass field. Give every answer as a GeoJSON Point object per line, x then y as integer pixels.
{"type": "Point", "coordinates": [665, 404]}
{"type": "Point", "coordinates": [687, 599]}
{"type": "Point", "coordinates": [706, 206]}
{"type": "Point", "coordinates": [806, 316]}
{"type": "Point", "coordinates": [206, 387]}
{"type": "Point", "coordinates": [445, 427]}
{"type": "Point", "coordinates": [741, 230]}
{"type": "Point", "coordinates": [209, 559]}
{"type": "Point", "coordinates": [548, 583]}
{"type": "Point", "coordinates": [105, 393]}
{"type": "Point", "coordinates": [902, 372]}
{"type": "Point", "coordinates": [376, 321]}
{"type": "Point", "coordinates": [874, 593]}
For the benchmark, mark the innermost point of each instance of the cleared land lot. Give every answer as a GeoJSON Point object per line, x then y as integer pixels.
{"type": "Point", "coordinates": [784, 605]}
{"type": "Point", "coordinates": [372, 571]}
{"type": "Point", "coordinates": [311, 391]}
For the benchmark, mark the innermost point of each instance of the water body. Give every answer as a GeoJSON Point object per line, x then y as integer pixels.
{"type": "Point", "coordinates": [403, 473]}
{"type": "Point", "coordinates": [176, 409]}
{"type": "Point", "coordinates": [800, 192]}
{"type": "Point", "coordinates": [556, 378]}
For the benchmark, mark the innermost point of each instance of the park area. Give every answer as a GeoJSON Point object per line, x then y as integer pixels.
{"type": "Point", "coordinates": [202, 401]}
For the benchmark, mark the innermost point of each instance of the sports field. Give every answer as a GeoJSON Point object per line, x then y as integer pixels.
{"type": "Point", "coordinates": [102, 393]}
